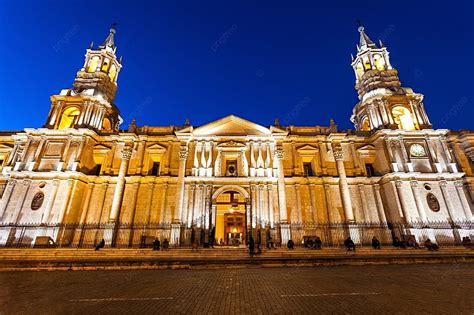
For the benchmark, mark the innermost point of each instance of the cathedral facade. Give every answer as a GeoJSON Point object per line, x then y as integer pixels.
{"type": "Point", "coordinates": [233, 175]}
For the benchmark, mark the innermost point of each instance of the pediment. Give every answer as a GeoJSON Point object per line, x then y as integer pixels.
{"type": "Point", "coordinates": [156, 147]}
{"type": "Point", "coordinates": [366, 148]}
{"type": "Point", "coordinates": [307, 149]}
{"type": "Point", "coordinates": [231, 126]}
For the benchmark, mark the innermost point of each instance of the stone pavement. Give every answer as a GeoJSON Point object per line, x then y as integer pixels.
{"type": "Point", "coordinates": [428, 289]}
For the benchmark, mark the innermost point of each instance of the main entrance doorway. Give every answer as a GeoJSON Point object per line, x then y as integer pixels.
{"type": "Point", "coordinates": [231, 225]}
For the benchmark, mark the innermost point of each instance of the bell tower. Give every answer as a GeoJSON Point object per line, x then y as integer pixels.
{"type": "Point", "coordinates": [90, 103]}
{"type": "Point", "coordinates": [384, 103]}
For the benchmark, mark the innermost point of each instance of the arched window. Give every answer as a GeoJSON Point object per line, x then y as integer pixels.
{"type": "Point", "coordinates": [403, 118]}
{"type": "Point", "coordinates": [367, 64]}
{"type": "Point", "coordinates": [93, 63]}
{"type": "Point", "coordinates": [360, 69]}
{"type": "Point", "coordinates": [106, 125]}
{"type": "Point", "coordinates": [105, 65]}
{"type": "Point", "coordinates": [112, 72]}
{"type": "Point", "coordinates": [379, 62]}
{"type": "Point", "coordinates": [365, 125]}
{"type": "Point", "coordinates": [69, 117]}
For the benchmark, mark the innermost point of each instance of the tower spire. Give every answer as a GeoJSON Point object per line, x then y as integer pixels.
{"type": "Point", "coordinates": [365, 41]}
{"type": "Point", "coordinates": [109, 41]}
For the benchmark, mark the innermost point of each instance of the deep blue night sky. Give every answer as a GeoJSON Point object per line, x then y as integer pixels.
{"type": "Point", "coordinates": [286, 59]}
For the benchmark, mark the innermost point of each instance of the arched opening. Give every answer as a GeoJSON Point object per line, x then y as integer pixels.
{"type": "Point", "coordinates": [105, 64]}
{"type": "Point", "coordinates": [69, 118]}
{"type": "Point", "coordinates": [365, 125]}
{"type": "Point", "coordinates": [106, 125]}
{"type": "Point", "coordinates": [112, 72]}
{"type": "Point", "coordinates": [403, 118]}
{"type": "Point", "coordinates": [93, 63]}
{"type": "Point", "coordinates": [230, 218]}
{"type": "Point", "coordinates": [360, 70]}
{"type": "Point", "coordinates": [367, 65]}
{"type": "Point", "coordinates": [379, 62]}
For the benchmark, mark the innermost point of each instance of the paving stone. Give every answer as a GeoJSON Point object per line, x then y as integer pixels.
{"type": "Point", "coordinates": [434, 289]}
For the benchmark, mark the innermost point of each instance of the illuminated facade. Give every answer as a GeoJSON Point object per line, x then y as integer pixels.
{"type": "Point", "coordinates": [81, 167]}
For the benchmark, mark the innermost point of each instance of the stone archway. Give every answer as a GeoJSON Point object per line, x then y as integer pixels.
{"type": "Point", "coordinates": [235, 219]}
{"type": "Point", "coordinates": [230, 188]}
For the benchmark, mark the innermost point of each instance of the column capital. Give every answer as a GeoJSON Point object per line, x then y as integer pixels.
{"type": "Point", "coordinates": [126, 153]}
{"type": "Point", "coordinates": [459, 184]}
{"type": "Point", "coordinates": [414, 183]}
{"type": "Point", "coordinates": [11, 182]}
{"type": "Point", "coordinates": [395, 143]}
{"type": "Point", "coordinates": [443, 183]}
{"type": "Point", "coordinates": [337, 153]}
{"type": "Point", "coordinates": [399, 183]}
{"type": "Point", "coordinates": [183, 152]}
{"type": "Point", "coordinates": [279, 152]}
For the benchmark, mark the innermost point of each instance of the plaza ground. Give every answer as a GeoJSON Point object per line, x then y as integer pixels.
{"type": "Point", "coordinates": [434, 289]}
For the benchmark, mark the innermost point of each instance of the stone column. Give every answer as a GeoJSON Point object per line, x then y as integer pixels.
{"type": "Point", "coordinates": [176, 225]}
{"type": "Point", "coordinates": [183, 155]}
{"type": "Point", "coordinates": [456, 229]}
{"type": "Point", "coordinates": [165, 215]}
{"type": "Point", "coordinates": [136, 191]}
{"type": "Point", "coordinates": [253, 196]}
{"type": "Point", "coordinates": [67, 200]}
{"type": "Point", "coordinates": [284, 226]}
{"type": "Point", "coordinates": [380, 207]}
{"type": "Point", "coordinates": [343, 185]}
{"type": "Point", "coordinates": [281, 186]}
{"type": "Point", "coordinates": [191, 197]}
{"type": "Point", "coordinates": [443, 184]}
{"type": "Point", "coordinates": [419, 202]}
{"type": "Point", "coordinates": [49, 205]}
{"type": "Point", "coordinates": [363, 199]}
{"type": "Point", "coordinates": [263, 206]}
{"type": "Point", "coordinates": [449, 159]}
{"type": "Point", "coordinates": [248, 218]}
{"type": "Point", "coordinates": [298, 215]}
{"type": "Point", "coordinates": [207, 204]}
{"type": "Point", "coordinates": [402, 199]}
{"type": "Point", "coordinates": [270, 205]}
{"type": "Point", "coordinates": [462, 196]}
{"type": "Point", "coordinates": [6, 198]}
{"type": "Point", "coordinates": [312, 203]}
{"type": "Point", "coordinates": [151, 191]}
{"type": "Point", "coordinates": [120, 186]}
{"type": "Point", "coordinates": [327, 195]}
